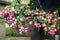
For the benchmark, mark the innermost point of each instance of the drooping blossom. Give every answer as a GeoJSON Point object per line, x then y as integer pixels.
{"type": "Point", "coordinates": [10, 14]}
{"type": "Point", "coordinates": [55, 12]}
{"type": "Point", "coordinates": [58, 18]}
{"type": "Point", "coordinates": [35, 12]}
{"type": "Point", "coordinates": [45, 29]}
{"type": "Point", "coordinates": [30, 22]}
{"type": "Point", "coordinates": [54, 20]}
{"type": "Point", "coordinates": [51, 32]}
{"type": "Point", "coordinates": [45, 19]}
{"type": "Point", "coordinates": [6, 11]}
{"type": "Point", "coordinates": [21, 29]}
{"type": "Point", "coordinates": [26, 18]}
{"type": "Point", "coordinates": [38, 25]}
{"type": "Point", "coordinates": [14, 26]}
{"type": "Point", "coordinates": [10, 21]}
{"type": "Point", "coordinates": [43, 24]}
{"type": "Point", "coordinates": [49, 16]}
{"type": "Point", "coordinates": [55, 29]}
{"type": "Point", "coordinates": [49, 21]}
{"type": "Point", "coordinates": [21, 19]}
{"type": "Point", "coordinates": [3, 14]}
{"type": "Point", "coordinates": [52, 26]}
{"type": "Point", "coordinates": [41, 17]}
{"type": "Point", "coordinates": [25, 30]}
{"type": "Point", "coordinates": [13, 18]}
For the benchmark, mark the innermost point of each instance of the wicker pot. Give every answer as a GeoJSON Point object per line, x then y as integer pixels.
{"type": "Point", "coordinates": [32, 28]}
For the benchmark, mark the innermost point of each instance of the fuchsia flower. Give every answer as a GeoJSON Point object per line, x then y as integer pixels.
{"type": "Point", "coordinates": [25, 30]}
{"type": "Point", "coordinates": [30, 22]}
{"type": "Point", "coordinates": [10, 21]}
{"type": "Point", "coordinates": [21, 19]}
{"type": "Point", "coordinates": [45, 29]}
{"type": "Point", "coordinates": [54, 12]}
{"type": "Point", "coordinates": [54, 20]}
{"type": "Point", "coordinates": [49, 21]}
{"type": "Point", "coordinates": [6, 11]}
{"type": "Point", "coordinates": [59, 18]}
{"type": "Point", "coordinates": [22, 30]}
{"type": "Point", "coordinates": [52, 26]}
{"type": "Point", "coordinates": [37, 24]}
{"type": "Point", "coordinates": [10, 14]}
{"type": "Point", "coordinates": [26, 18]}
{"type": "Point", "coordinates": [41, 17]}
{"type": "Point", "coordinates": [3, 14]}
{"type": "Point", "coordinates": [51, 32]}
{"type": "Point", "coordinates": [35, 12]}
{"type": "Point", "coordinates": [49, 16]}
{"type": "Point", "coordinates": [44, 25]}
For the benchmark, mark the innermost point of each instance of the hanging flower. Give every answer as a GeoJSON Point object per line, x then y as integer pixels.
{"type": "Point", "coordinates": [51, 32]}
{"type": "Point", "coordinates": [52, 26]}
{"type": "Point", "coordinates": [44, 25]}
{"type": "Point", "coordinates": [54, 20]}
{"type": "Point", "coordinates": [21, 30]}
{"type": "Point", "coordinates": [59, 18]}
{"type": "Point", "coordinates": [10, 14]}
{"type": "Point", "coordinates": [21, 19]}
{"type": "Point", "coordinates": [55, 12]}
{"type": "Point", "coordinates": [35, 12]}
{"type": "Point", "coordinates": [26, 18]}
{"type": "Point", "coordinates": [49, 21]}
{"type": "Point", "coordinates": [41, 17]}
{"type": "Point", "coordinates": [45, 29]}
{"type": "Point", "coordinates": [38, 25]}
{"type": "Point", "coordinates": [25, 30]}
{"type": "Point", "coordinates": [30, 22]}
{"type": "Point", "coordinates": [3, 14]}
{"type": "Point", "coordinates": [49, 16]}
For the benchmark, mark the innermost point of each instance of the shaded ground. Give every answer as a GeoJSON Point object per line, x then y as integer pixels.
{"type": "Point", "coordinates": [16, 38]}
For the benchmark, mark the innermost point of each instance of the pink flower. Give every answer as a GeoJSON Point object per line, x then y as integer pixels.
{"type": "Point", "coordinates": [37, 24]}
{"type": "Point", "coordinates": [59, 18]}
{"type": "Point", "coordinates": [26, 18]}
{"type": "Point", "coordinates": [45, 29]}
{"type": "Point", "coordinates": [3, 14]}
{"type": "Point", "coordinates": [54, 12]}
{"type": "Point", "coordinates": [10, 21]}
{"type": "Point", "coordinates": [44, 25]}
{"type": "Point", "coordinates": [10, 14]}
{"type": "Point", "coordinates": [49, 21]}
{"type": "Point", "coordinates": [25, 30]}
{"type": "Point", "coordinates": [21, 30]}
{"type": "Point", "coordinates": [41, 17]}
{"type": "Point", "coordinates": [10, 17]}
{"type": "Point", "coordinates": [30, 22]}
{"type": "Point", "coordinates": [54, 20]}
{"type": "Point", "coordinates": [6, 11]}
{"type": "Point", "coordinates": [51, 32]}
{"type": "Point", "coordinates": [35, 12]}
{"type": "Point", "coordinates": [49, 16]}
{"type": "Point", "coordinates": [14, 26]}
{"type": "Point", "coordinates": [21, 19]}
{"type": "Point", "coordinates": [52, 26]}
